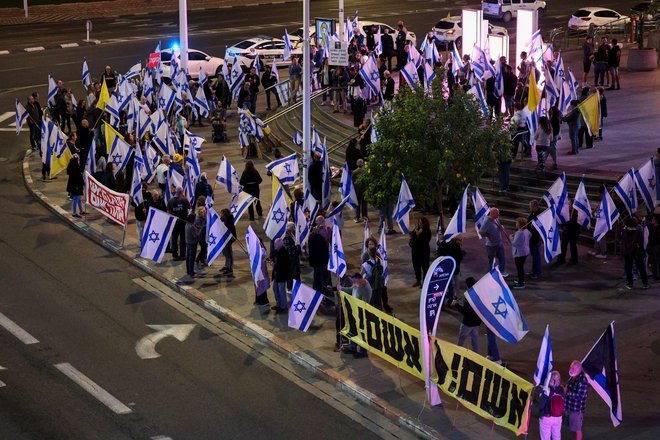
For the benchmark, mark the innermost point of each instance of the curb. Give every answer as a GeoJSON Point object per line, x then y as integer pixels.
{"type": "Point", "coordinates": [301, 358]}
{"type": "Point", "coordinates": [52, 46]}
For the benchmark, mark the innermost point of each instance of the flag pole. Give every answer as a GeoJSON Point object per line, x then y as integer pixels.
{"type": "Point", "coordinates": [123, 237]}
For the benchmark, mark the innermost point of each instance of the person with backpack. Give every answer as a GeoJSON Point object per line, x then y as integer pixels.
{"type": "Point", "coordinates": [552, 405]}
{"type": "Point", "coordinates": [373, 272]}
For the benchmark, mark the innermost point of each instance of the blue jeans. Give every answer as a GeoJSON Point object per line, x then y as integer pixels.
{"type": "Point", "coordinates": [599, 72]}
{"type": "Point", "coordinates": [494, 252]}
{"type": "Point", "coordinates": [493, 351]}
{"type": "Point", "coordinates": [535, 250]}
{"type": "Point", "coordinates": [191, 250]}
{"type": "Point", "coordinates": [77, 204]}
{"type": "Point", "coordinates": [279, 290]}
{"type": "Point", "coordinates": [228, 253]}
{"type": "Point", "coordinates": [575, 141]}
{"type": "Point", "coordinates": [353, 346]}
{"type": "Point", "coordinates": [383, 214]}
{"type": "Point", "coordinates": [465, 331]}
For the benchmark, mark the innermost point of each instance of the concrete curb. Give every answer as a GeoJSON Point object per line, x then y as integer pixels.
{"type": "Point", "coordinates": [319, 369]}
{"type": "Point", "coordinates": [52, 46]}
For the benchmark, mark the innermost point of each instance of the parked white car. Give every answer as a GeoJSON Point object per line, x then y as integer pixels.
{"type": "Point", "coordinates": [212, 66]}
{"type": "Point", "coordinates": [267, 48]}
{"type": "Point", "coordinates": [583, 17]}
{"type": "Point", "coordinates": [450, 30]}
{"type": "Point", "coordinates": [507, 9]}
{"type": "Point", "coordinates": [365, 29]}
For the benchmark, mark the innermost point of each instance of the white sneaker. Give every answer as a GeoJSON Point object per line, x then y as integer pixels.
{"type": "Point", "coordinates": [602, 257]}
{"type": "Point", "coordinates": [592, 253]}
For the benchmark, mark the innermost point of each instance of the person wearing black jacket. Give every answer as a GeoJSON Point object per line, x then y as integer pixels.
{"type": "Point", "coordinates": [222, 94]}
{"type": "Point", "coordinates": [250, 181]}
{"type": "Point", "coordinates": [510, 82]}
{"type": "Point", "coordinates": [75, 185]}
{"type": "Point", "coordinates": [315, 178]}
{"type": "Point", "coordinates": [179, 207]}
{"type": "Point", "coordinates": [202, 188]}
{"type": "Point", "coordinates": [142, 209]}
{"type": "Point", "coordinates": [267, 81]}
{"type": "Point", "coordinates": [387, 42]}
{"type": "Point", "coordinates": [319, 255]}
{"type": "Point", "coordinates": [34, 120]}
{"type": "Point", "coordinates": [420, 237]}
{"type": "Point", "coordinates": [352, 155]}
{"type": "Point", "coordinates": [228, 219]}
{"type": "Point", "coordinates": [569, 236]}
{"type": "Point", "coordinates": [388, 87]}
{"type": "Point", "coordinates": [470, 323]}
{"type": "Point", "coordinates": [281, 275]}
{"type": "Point", "coordinates": [358, 106]}
{"type": "Point", "coordinates": [535, 241]}
{"type": "Point", "coordinates": [252, 79]}
{"type": "Point", "coordinates": [401, 54]}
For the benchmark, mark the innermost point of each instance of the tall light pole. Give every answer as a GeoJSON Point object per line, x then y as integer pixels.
{"type": "Point", "coordinates": [306, 84]}
{"type": "Point", "coordinates": [183, 34]}
{"type": "Point", "coordinates": [340, 25]}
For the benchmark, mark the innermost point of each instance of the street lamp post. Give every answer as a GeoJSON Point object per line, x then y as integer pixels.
{"type": "Point", "coordinates": [340, 25]}
{"type": "Point", "coordinates": [306, 84]}
{"type": "Point", "coordinates": [25, 8]}
{"type": "Point", "coordinates": [183, 34]}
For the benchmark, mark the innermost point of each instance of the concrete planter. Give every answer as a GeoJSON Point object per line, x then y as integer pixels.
{"type": "Point", "coordinates": [642, 59]}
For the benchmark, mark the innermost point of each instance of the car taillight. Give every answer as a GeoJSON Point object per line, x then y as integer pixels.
{"type": "Point", "coordinates": [451, 32]}
{"type": "Point", "coordinates": [586, 18]}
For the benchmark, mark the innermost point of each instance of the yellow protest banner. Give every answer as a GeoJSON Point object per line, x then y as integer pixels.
{"type": "Point", "coordinates": [533, 95]}
{"type": "Point", "coordinates": [590, 109]}
{"type": "Point", "coordinates": [482, 386]}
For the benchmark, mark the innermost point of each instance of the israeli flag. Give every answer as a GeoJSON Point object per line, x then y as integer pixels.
{"type": "Point", "coordinates": [165, 99]}
{"type": "Point", "coordinates": [143, 123]}
{"type": "Point", "coordinates": [458, 223]}
{"type": "Point", "coordinates": [499, 81]}
{"type": "Point", "coordinates": [202, 103]}
{"type": "Point", "coordinates": [21, 116]}
{"type": "Point", "coordinates": [298, 139]}
{"type": "Point", "coordinates": [625, 189]}
{"type": "Point", "coordinates": [201, 79]}
{"type": "Point", "coordinates": [174, 180]}
{"type": "Point", "coordinates": [192, 141]}
{"type": "Point", "coordinates": [337, 209]}
{"type": "Point", "coordinates": [157, 233]}
{"type": "Point", "coordinates": [414, 56]}
{"type": "Point", "coordinates": [560, 73]}
{"type": "Point", "coordinates": [255, 252]}
{"type": "Point", "coordinates": [136, 186]}
{"type": "Point", "coordinates": [112, 108]}
{"type": "Point", "coordinates": [148, 86]}
{"type": "Point", "coordinates": [349, 31]}
{"type": "Point", "coordinates": [410, 74]}
{"type": "Point", "coordinates": [535, 52]}
{"type": "Point", "coordinates": [310, 205]}
{"type": "Point", "coordinates": [546, 224]}
{"type": "Point", "coordinates": [134, 71]}
{"type": "Point", "coordinates": [275, 224]}
{"type": "Point", "coordinates": [557, 198]}
{"type": "Point", "coordinates": [346, 187]}
{"type": "Point", "coordinates": [429, 76]}
{"type": "Point", "coordinates": [178, 101]}
{"type": "Point", "coordinates": [161, 134]}
{"type": "Point", "coordinates": [124, 94]}
{"type": "Point", "coordinates": [646, 181]}
{"type": "Point", "coordinates": [239, 204]}
{"type": "Point", "coordinates": [52, 91]}
{"type": "Point", "coordinates": [550, 88]}
{"type": "Point", "coordinates": [285, 169]}
{"type": "Point", "coordinates": [479, 63]}
{"type": "Point", "coordinates": [217, 235]}
{"type": "Point", "coordinates": [86, 77]}
{"type": "Point", "coordinates": [493, 301]}
{"type": "Point", "coordinates": [193, 164]}
{"type": "Point", "coordinates": [139, 161]}
{"type": "Point", "coordinates": [303, 226]}
{"type": "Point", "coordinates": [273, 72]}
{"type": "Point", "coordinates": [369, 72]}
{"type": "Point", "coordinates": [573, 83]}
{"type": "Point", "coordinates": [120, 153]}
{"type": "Point", "coordinates": [366, 233]}
{"type": "Point", "coordinates": [151, 160]}
{"type": "Point", "coordinates": [337, 261]}
{"type": "Point", "coordinates": [481, 210]}
{"type": "Point", "coordinates": [404, 205]}
{"type": "Point", "coordinates": [287, 46]}
{"type": "Point", "coordinates": [305, 301]}
{"type": "Point", "coordinates": [544, 362]}
{"type": "Point", "coordinates": [90, 165]}
{"type": "Point", "coordinates": [457, 61]}
{"type": "Point", "coordinates": [564, 97]}
{"type": "Point", "coordinates": [581, 204]}
{"type": "Point", "coordinates": [606, 215]}
{"type": "Point", "coordinates": [382, 250]}
{"type": "Point", "coordinates": [379, 43]}
{"type": "Point", "coordinates": [228, 177]}
{"type": "Point", "coordinates": [478, 93]}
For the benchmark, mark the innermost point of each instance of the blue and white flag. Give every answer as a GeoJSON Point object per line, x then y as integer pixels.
{"type": "Point", "coordinates": [151, 160]}
{"type": "Point", "coordinates": [305, 301]}
{"type": "Point", "coordinates": [565, 97]}
{"type": "Point", "coordinates": [546, 224]}
{"type": "Point", "coordinates": [134, 71]}
{"type": "Point", "coordinates": [136, 185]}
{"type": "Point", "coordinates": [429, 76]}
{"type": "Point", "coordinates": [646, 181]}
{"type": "Point", "coordinates": [478, 93]}
{"type": "Point", "coordinates": [139, 161]}
{"type": "Point", "coordinates": [273, 72]}
{"type": "Point", "coordinates": [120, 152]}
{"type": "Point", "coordinates": [202, 103]}
{"type": "Point", "coordinates": [255, 252]}
{"type": "Point", "coordinates": [498, 91]}
{"type": "Point", "coordinates": [90, 165]}
{"type": "Point", "coordinates": [285, 169]}
{"type": "Point", "coordinates": [112, 109]}
{"type": "Point", "coordinates": [602, 372]}
{"type": "Point", "coordinates": [256, 64]}
{"type": "Point", "coordinates": [310, 205]}
{"type": "Point", "coordinates": [21, 116]}
{"type": "Point", "coordinates": [551, 91]}
{"type": "Point", "coordinates": [337, 261]}
{"type": "Point", "coordinates": [414, 56]}
{"type": "Point", "coordinates": [348, 34]}
{"type": "Point", "coordinates": [346, 187]}
{"type": "Point", "coordinates": [174, 180]}
{"type": "Point", "coordinates": [544, 362]}
{"type": "Point", "coordinates": [287, 46]}
{"type": "Point", "coordinates": [52, 91]}
{"type": "Point", "coordinates": [606, 214]}
{"type": "Point", "coordinates": [298, 139]}
{"type": "Point", "coordinates": [379, 42]}
{"type": "Point", "coordinates": [86, 77]}
{"type": "Point", "coordinates": [302, 227]}
{"type": "Point", "coordinates": [157, 233]}
{"type": "Point", "coordinates": [625, 189]}
{"type": "Point", "coordinates": [457, 61]}
{"type": "Point", "coordinates": [365, 236]}
{"type": "Point", "coordinates": [557, 198]}
{"type": "Point", "coordinates": [479, 63]}
{"type": "Point", "coordinates": [535, 51]}
{"type": "Point", "coordinates": [409, 72]}
{"type": "Point", "coordinates": [161, 133]}
{"type": "Point", "coordinates": [404, 205]}
{"type": "Point", "coordinates": [165, 99]}
{"type": "Point", "coordinates": [493, 301]}
{"type": "Point", "coordinates": [192, 141]}
{"type": "Point", "coordinates": [193, 168]}
{"type": "Point", "coordinates": [275, 224]}
{"type": "Point", "coordinates": [481, 210]}
{"type": "Point", "coordinates": [382, 250]}
{"type": "Point", "coordinates": [573, 84]}
{"type": "Point", "coordinates": [458, 223]}
{"type": "Point", "coordinates": [581, 204]}
{"type": "Point", "coordinates": [201, 79]}
{"type": "Point", "coordinates": [337, 209]}
{"type": "Point", "coordinates": [560, 73]}
{"type": "Point", "coordinates": [228, 176]}
{"type": "Point", "coordinates": [369, 72]}
{"type": "Point", "coordinates": [217, 235]}
{"type": "Point", "coordinates": [124, 93]}
{"type": "Point", "coordinates": [239, 204]}
{"type": "Point", "coordinates": [144, 124]}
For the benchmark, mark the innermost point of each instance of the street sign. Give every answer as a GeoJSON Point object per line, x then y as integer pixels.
{"type": "Point", "coordinates": [338, 55]}
{"type": "Point", "coordinates": [154, 60]}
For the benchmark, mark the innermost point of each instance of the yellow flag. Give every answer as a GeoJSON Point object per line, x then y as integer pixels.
{"type": "Point", "coordinates": [104, 97]}
{"type": "Point", "coordinates": [534, 95]}
{"type": "Point", "coordinates": [110, 135]}
{"type": "Point", "coordinates": [59, 164]}
{"type": "Point", "coordinates": [590, 109]}
{"type": "Point", "coordinates": [285, 190]}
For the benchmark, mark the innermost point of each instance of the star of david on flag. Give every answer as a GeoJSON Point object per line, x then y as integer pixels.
{"type": "Point", "coordinates": [157, 232]}
{"type": "Point", "coordinates": [544, 362]}
{"type": "Point", "coordinates": [165, 99]}
{"type": "Point", "coordinates": [581, 204]}
{"type": "Point", "coordinates": [120, 153]}
{"type": "Point", "coordinates": [410, 74]}
{"type": "Point", "coordinates": [606, 214]}
{"type": "Point", "coordinates": [625, 189]}
{"type": "Point", "coordinates": [227, 176]}
{"type": "Point", "coordinates": [275, 224]}
{"type": "Point", "coordinates": [346, 187]}
{"type": "Point", "coordinates": [481, 210]}
{"type": "Point", "coordinates": [86, 77]}
{"type": "Point", "coordinates": [646, 181]}
{"type": "Point", "coordinates": [382, 250]}
{"type": "Point", "coordinates": [217, 235]}
{"type": "Point", "coordinates": [369, 72]}
{"type": "Point", "coordinates": [52, 91]}
{"type": "Point", "coordinates": [239, 204]}
{"type": "Point", "coordinates": [21, 116]}
{"type": "Point", "coordinates": [493, 301]}
{"type": "Point", "coordinates": [305, 301]}
{"type": "Point", "coordinates": [546, 224]}
{"type": "Point", "coordinates": [285, 169]}
{"type": "Point", "coordinates": [337, 261]}
{"type": "Point", "coordinates": [557, 198]}
{"type": "Point", "coordinates": [404, 205]}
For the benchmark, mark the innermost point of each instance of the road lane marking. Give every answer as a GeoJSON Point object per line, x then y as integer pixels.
{"type": "Point", "coordinates": [93, 388]}
{"type": "Point", "coordinates": [146, 347]}
{"type": "Point", "coordinates": [6, 115]}
{"type": "Point", "coordinates": [34, 49]}
{"type": "Point", "coordinates": [15, 330]}
{"type": "Point", "coordinates": [2, 384]}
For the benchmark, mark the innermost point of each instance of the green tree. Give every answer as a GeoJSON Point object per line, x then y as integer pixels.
{"type": "Point", "coordinates": [440, 146]}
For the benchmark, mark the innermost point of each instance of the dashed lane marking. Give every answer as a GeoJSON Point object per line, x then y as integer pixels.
{"type": "Point", "coordinates": [17, 331]}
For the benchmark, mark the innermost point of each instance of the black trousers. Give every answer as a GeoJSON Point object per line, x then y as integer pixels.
{"type": "Point", "coordinates": [420, 260]}
{"type": "Point", "coordinates": [568, 240]}
{"type": "Point", "coordinates": [638, 260]}
{"type": "Point", "coordinates": [251, 210]}
{"type": "Point", "coordinates": [520, 268]}
{"type": "Point", "coordinates": [179, 239]}
{"type": "Point", "coordinates": [582, 134]}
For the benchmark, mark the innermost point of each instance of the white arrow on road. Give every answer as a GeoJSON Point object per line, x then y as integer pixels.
{"type": "Point", "coordinates": [146, 347]}
{"type": "Point", "coordinates": [2, 384]}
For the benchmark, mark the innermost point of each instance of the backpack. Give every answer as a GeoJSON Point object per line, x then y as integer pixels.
{"type": "Point", "coordinates": [376, 280]}
{"type": "Point", "coordinates": [557, 404]}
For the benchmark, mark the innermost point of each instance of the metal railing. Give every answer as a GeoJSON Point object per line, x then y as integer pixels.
{"type": "Point", "coordinates": [563, 38]}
